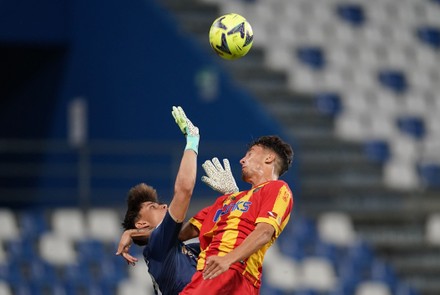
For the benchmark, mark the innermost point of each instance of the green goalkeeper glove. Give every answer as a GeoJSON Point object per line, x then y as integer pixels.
{"type": "Point", "coordinates": [188, 129]}
{"type": "Point", "coordinates": [219, 179]}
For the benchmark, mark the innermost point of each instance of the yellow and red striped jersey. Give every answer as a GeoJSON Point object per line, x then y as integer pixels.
{"type": "Point", "coordinates": [224, 225]}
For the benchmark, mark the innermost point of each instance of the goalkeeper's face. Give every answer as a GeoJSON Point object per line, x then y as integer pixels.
{"type": "Point", "coordinates": [151, 215]}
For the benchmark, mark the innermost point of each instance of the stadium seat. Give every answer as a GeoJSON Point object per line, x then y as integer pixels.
{"type": "Point", "coordinates": [5, 289]}
{"type": "Point", "coordinates": [69, 223]}
{"type": "Point", "coordinates": [369, 288]}
{"type": "Point", "coordinates": [38, 271]}
{"type": "Point", "coordinates": [328, 103]}
{"type": "Point", "coordinates": [394, 80]}
{"type": "Point", "coordinates": [336, 228]}
{"type": "Point", "coordinates": [383, 272]}
{"type": "Point", "coordinates": [56, 249]}
{"type": "Point", "coordinates": [103, 224]}
{"type": "Point", "coordinates": [405, 289]}
{"type": "Point", "coordinates": [432, 229]}
{"type": "Point", "coordinates": [77, 274]}
{"type": "Point", "coordinates": [21, 250]}
{"type": "Point", "coordinates": [359, 258]}
{"type": "Point", "coordinates": [429, 36]}
{"type": "Point", "coordinates": [412, 125]}
{"type": "Point", "coordinates": [404, 147]}
{"type": "Point", "coordinates": [9, 229]}
{"type": "Point", "coordinates": [401, 175]}
{"type": "Point", "coordinates": [33, 223]}
{"type": "Point", "coordinates": [283, 274]}
{"type": "Point", "coordinates": [318, 274]}
{"type": "Point", "coordinates": [351, 13]}
{"type": "Point", "coordinates": [134, 287]}
{"type": "Point", "coordinates": [328, 251]}
{"type": "Point", "coordinates": [312, 57]}
{"type": "Point", "coordinates": [90, 250]}
{"type": "Point", "coordinates": [430, 174]}
{"type": "Point", "coordinates": [377, 150]}
{"type": "Point", "coordinates": [292, 247]}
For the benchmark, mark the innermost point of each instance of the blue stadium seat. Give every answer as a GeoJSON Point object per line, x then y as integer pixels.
{"type": "Point", "coordinates": [393, 80]}
{"type": "Point", "coordinates": [359, 258]}
{"type": "Point", "coordinates": [383, 272]}
{"type": "Point", "coordinates": [328, 103]}
{"type": "Point", "coordinates": [292, 247]}
{"type": "Point", "coordinates": [328, 251]}
{"type": "Point", "coordinates": [76, 274]}
{"type": "Point", "coordinates": [11, 273]}
{"type": "Point", "coordinates": [90, 250]}
{"type": "Point", "coordinates": [40, 271]}
{"type": "Point", "coordinates": [404, 289]}
{"type": "Point", "coordinates": [351, 13]}
{"type": "Point", "coordinates": [311, 56]}
{"type": "Point", "coordinates": [111, 269]}
{"type": "Point", "coordinates": [430, 36]}
{"type": "Point", "coordinates": [412, 125]}
{"type": "Point", "coordinates": [377, 150]}
{"type": "Point", "coordinates": [21, 250]}
{"type": "Point", "coordinates": [430, 174]}
{"type": "Point", "coordinates": [33, 223]}
{"type": "Point", "coordinates": [306, 292]}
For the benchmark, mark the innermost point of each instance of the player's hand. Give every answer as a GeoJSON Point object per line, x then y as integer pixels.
{"type": "Point", "coordinates": [215, 266]}
{"type": "Point", "coordinates": [185, 125]}
{"type": "Point", "coordinates": [124, 246]}
{"type": "Point", "coordinates": [218, 178]}
{"type": "Point", "coordinates": [188, 129]}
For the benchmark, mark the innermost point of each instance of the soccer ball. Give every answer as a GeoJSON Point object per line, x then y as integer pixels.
{"type": "Point", "coordinates": [231, 36]}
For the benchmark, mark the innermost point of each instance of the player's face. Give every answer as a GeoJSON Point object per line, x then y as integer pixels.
{"type": "Point", "coordinates": [253, 162]}
{"type": "Point", "coordinates": [151, 214]}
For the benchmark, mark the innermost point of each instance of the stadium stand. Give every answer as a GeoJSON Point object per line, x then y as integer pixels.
{"type": "Point", "coordinates": [356, 83]}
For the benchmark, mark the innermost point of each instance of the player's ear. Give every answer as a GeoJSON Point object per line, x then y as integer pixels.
{"type": "Point", "coordinates": [270, 157]}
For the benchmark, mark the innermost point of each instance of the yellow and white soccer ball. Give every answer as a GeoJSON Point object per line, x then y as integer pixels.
{"type": "Point", "coordinates": [231, 36]}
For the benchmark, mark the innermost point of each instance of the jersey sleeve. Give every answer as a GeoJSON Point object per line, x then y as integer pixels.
{"type": "Point", "coordinates": [276, 206]}
{"type": "Point", "coordinates": [164, 237]}
{"type": "Point", "coordinates": [197, 220]}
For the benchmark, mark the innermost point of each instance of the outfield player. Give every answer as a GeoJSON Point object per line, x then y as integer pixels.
{"type": "Point", "coordinates": [171, 263]}
{"type": "Point", "coordinates": [236, 231]}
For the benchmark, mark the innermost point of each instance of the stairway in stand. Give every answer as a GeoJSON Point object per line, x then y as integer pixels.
{"type": "Point", "coordinates": [335, 175]}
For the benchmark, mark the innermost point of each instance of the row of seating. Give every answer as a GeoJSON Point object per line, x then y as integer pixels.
{"type": "Point", "coordinates": [324, 255]}
{"type": "Point", "coordinates": [375, 62]}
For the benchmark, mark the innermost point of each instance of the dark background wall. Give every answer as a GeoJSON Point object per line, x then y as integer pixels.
{"type": "Point", "coordinates": [130, 64]}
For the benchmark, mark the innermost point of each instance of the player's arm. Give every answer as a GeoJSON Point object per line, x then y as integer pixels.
{"type": "Point", "coordinates": [188, 231]}
{"type": "Point", "coordinates": [259, 237]}
{"type": "Point", "coordinates": [186, 176]}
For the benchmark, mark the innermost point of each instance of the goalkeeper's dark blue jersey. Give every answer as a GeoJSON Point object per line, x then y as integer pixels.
{"type": "Point", "coordinates": [171, 263]}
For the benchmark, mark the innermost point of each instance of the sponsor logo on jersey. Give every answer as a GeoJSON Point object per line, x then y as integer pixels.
{"type": "Point", "coordinates": [242, 206]}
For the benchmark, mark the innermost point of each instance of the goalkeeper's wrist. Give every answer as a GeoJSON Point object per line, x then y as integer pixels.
{"type": "Point", "coordinates": [192, 143]}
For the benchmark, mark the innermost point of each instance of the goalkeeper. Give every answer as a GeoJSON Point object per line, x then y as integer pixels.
{"type": "Point", "coordinates": [149, 223]}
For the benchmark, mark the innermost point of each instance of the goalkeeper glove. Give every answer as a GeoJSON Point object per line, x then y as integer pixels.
{"type": "Point", "coordinates": [219, 179]}
{"type": "Point", "coordinates": [188, 129]}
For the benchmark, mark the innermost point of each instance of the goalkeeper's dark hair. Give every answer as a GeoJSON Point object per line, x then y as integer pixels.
{"type": "Point", "coordinates": [138, 195]}
{"type": "Point", "coordinates": [280, 147]}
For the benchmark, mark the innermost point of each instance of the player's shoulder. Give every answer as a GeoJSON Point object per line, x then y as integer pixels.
{"type": "Point", "coordinates": [277, 183]}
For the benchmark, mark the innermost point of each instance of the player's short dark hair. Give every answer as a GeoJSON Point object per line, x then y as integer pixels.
{"type": "Point", "coordinates": [137, 195]}
{"type": "Point", "coordinates": [280, 147]}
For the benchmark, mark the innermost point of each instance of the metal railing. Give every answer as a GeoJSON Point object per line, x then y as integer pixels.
{"type": "Point", "coordinates": [53, 173]}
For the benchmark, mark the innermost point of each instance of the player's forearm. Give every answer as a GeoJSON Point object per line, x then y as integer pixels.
{"type": "Point", "coordinates": [262, 234]}
{"type": "Point", "coordinates": [139, 232]}
{"type": "Point", "coordinates": [184, 186]}
{"type": "Point", "coordinates": [187, 232]}
{"type": "Point", "coordinates": [186, 176]}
